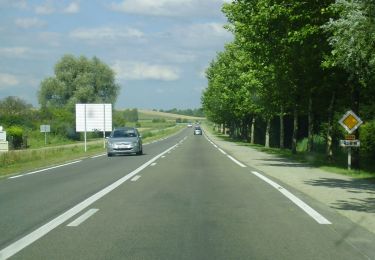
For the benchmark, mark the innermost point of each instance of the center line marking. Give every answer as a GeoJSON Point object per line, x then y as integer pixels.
{"type": "Point", "coordinates": [136, 178]}
{"type": "Point", "coordinates": [153, 164]}
{"type": "Point", "coordinates": [82, 218]}
{"type": "Point", "coordinates": [310, 211]}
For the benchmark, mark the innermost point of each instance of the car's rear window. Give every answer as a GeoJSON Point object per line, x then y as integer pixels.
{"type": "Point", "coordinates": [124, 133]}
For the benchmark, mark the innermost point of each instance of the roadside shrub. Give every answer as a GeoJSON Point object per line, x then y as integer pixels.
{"type": "Point", "coordinates": [367, 137]}
{"type": "Point", "coordinates": [159, 120]}
{"type": "Point", "coordinates": [15, 134]}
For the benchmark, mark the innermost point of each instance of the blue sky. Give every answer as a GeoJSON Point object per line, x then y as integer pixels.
{"type": "Point", "coordinates": [159, 49]}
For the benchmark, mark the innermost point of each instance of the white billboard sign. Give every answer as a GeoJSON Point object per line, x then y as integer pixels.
{"type": "Point", "coordinates": [93, 117]}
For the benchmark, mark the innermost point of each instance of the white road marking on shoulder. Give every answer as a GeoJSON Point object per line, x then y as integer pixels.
{"type": "Point", "coordinates": [238, 162]}
{"type": "Point", "coordinates": [136, 178]}
{"type": "Point", "coordinates": [221, 150]}
{"type": "Point", "coordinates": [82, 218]}
{"type": "Point", "coordinates": [43, 170]}
{"type": "Point", "coordinates": [25, 241]}
{"type": "Point", "coordinates": [96, 156]}
{"type": "Point", "coordinates": [310, 211]}
{"type": "Point", "coordinates": [153, 164]}
{"type": "Point", "coordinates": [163, 156]}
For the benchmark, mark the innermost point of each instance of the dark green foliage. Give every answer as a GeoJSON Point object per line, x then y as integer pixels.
{"type": "Point", "coordinates": [159, 120]}
{"type": "Point", "coordinates": [131, 115]}
{"type": "Point", "coordinates": [367, 133]}
{"type": "Point", "coordinates": [299, 65]}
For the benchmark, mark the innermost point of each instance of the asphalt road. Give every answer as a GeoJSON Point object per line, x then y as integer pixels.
{"type": "Point", "coordinates": [183, 199]}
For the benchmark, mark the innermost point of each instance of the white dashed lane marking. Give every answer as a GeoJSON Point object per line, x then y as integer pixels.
{"type": "Point", "coordinates": [82, 218]}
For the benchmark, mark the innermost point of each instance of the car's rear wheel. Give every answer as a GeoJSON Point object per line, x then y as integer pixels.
{"type": "Point", "coordinates": [140, 152]}
{"type": "Point", "coordinates": [110, 155]}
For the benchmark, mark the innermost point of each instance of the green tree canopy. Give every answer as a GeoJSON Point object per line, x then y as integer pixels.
{"type": "Point", "coordinates": [78, 80]}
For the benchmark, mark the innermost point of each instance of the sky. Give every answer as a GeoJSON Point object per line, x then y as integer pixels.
{"type": "Point", "coordinates": [159, 49]}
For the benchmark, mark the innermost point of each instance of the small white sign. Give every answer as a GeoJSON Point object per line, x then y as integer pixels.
{"type": "Point", "coordinates": [3, 136]}
{"type": "Point", "coordinates": [350, 143]}
{"type": "Point", "coordinates": [45, 128]}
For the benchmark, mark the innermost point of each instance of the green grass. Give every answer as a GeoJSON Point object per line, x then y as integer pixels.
{"type": "Point", "coordinates": [18, 161]}
{"type": "Point", "coordinates": [316, 159]}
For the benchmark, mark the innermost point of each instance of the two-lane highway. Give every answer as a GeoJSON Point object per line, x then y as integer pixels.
{"type": "Point", "coordinates": [185, 199]}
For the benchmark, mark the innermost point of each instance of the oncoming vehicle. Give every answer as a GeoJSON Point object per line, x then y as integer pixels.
{"type": "Point", "coordinates": [197, 130]}
{"type": "Point", "coordinates": [124, 140]}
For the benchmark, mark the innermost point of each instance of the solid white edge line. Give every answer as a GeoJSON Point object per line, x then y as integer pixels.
{"type": "Point", "coordinates": [221, 150]}
{"type": "Point", "coordinates": [82, 218]}
{"type": "Point", "coordinates": [234, 160]}
{"type": "Point", "coordinates": [135, 178]}
{"type": "Point", "coordinates": [96, 156]}
{"type": "Point", "coordinates": [20, 244]}
{"type": "Point", "coordinates": [310, 211]}
{"type": "Point", "coordinates": [43, 170]}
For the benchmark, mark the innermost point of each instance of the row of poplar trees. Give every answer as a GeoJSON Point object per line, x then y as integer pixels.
{"type": "Point", "coordinates": [293, 59]}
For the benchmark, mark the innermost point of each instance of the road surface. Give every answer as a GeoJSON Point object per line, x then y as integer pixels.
{"type": "Point", "coordinates": [185, 198]}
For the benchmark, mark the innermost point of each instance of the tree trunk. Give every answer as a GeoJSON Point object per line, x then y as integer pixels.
{"type": "Point", "coordinates": [355, 108]}
{"type": "Point", "coordinates": [310, 138]}
{"type": "Point", "coordinates": [252, 131]}
{"type": "Point", "coordinates": [282, 131]}
{"type": "Point", "coordinates": [329, 151]}
{"type": "Point", "coordinates": [267, 137]}
{"type": "Point", "coordinates": [295, 130]}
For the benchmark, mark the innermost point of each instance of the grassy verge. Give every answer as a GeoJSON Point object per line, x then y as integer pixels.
{"type": "Point", "coordinates": [339, 165]}
{"type": "Point", "coordinates": [25, 160]}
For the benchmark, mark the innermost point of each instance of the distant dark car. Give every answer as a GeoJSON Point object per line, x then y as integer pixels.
{"type": "Point", "coordinates": [197, 130]}
{"type": "Point", "coordinates": [124, 140]}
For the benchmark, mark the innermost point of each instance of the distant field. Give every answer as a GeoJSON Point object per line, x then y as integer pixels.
{"type": "Point", "coordinates": [149, 115]}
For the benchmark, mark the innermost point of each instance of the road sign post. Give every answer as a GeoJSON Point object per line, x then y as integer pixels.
{"type": "Point", "coordinates": [45, 129]}
{"type": "Point", "coordinates": [350, 121]}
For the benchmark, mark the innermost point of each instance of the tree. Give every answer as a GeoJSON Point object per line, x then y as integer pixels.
{"type": "Point", "coordinates": [16, 111]}
{"type": "Point", "coordinates": [352, 37]}
{"type": "Point", "coordinates": [78, 80]}
{"type": "Point", "coordinates": [13, 106]}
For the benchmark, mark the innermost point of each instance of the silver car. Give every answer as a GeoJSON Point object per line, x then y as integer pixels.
{"type": "Point", "coordinates": [124, 140]}
{"type": "Point", "coordinates": [197, 130]}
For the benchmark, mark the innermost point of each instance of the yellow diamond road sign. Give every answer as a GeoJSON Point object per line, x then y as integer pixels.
{"type": "Point", "coordinates": [350, 121]}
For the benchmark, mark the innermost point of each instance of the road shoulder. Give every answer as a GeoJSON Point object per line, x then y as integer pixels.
{"type": "Point", "coordinates": [352, 198]}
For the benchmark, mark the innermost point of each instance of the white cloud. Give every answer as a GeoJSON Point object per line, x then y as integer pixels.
{"type": "Point", "coordinates": [50, 38]}
{"type": "Point", "coordinates": [144, 71]}
{"type": "Point", "coordinates": [169, 7]}
{"type": "Point", "coordinates": [105, 33]}
{"type": "Point", "coordinates": [14, 51]}
{"type": "Point", "coordinates": [27, 23]}
{"type": "Point", "coordinates": [8, 80]}
{"type": "Point", "coordinates": [21, 4]}
{"type": "Point", "coordinates": [72, 8]}
{"type": "Point", "coordinates": [47, 8]}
